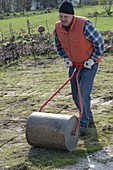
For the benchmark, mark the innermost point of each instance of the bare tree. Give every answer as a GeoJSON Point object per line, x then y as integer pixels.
{"type": "Point", "coordinates": [80, 2]}
{"type": "Point", "coordinates": [17, 5]}
{"type": "Point", "coordinates": [5, 5]}
{"type": "Point", "coordinates": [22, 5]}
{"type": "Point", "coordinates": [49, 3]}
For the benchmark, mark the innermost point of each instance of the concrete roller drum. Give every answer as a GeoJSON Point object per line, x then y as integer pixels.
{"type": "Point", "coordinates": [52, 131]}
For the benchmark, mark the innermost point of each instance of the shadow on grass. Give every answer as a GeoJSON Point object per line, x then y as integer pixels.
{"type": "Point", "coordinates": [50, 158]}
{"type": "Point", "coordinates": [91, 141]}
{"type": "Point", "coordinates": [41, 158]}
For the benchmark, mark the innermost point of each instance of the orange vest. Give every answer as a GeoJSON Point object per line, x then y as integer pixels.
{"type": "Point", "coordinates": [73, 42]}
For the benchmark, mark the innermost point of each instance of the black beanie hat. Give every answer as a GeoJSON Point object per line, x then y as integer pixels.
{"type": "Point", "coordinates": [66, 7]}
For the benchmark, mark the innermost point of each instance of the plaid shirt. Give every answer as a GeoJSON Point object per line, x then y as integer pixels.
{"type": "Point", "coordinates": [91, 34]}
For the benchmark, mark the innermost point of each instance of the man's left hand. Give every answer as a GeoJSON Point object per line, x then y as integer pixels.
{"type": "Point", "coordinates": [68, 63]}
{"type": "Point", "coordinates": [89, 63]}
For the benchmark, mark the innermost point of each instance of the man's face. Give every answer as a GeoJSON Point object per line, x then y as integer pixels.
{"type": "Point", "coordinates": [65, 18]}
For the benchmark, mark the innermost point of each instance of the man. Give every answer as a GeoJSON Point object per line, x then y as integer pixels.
{"type": "Point", "coordinates": [79, 42]}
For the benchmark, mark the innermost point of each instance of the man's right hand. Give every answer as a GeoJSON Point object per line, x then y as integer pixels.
{"type": "Point", "coordinates": [68, 63]}
{"type": "Point", "coordinates": [89, 63]}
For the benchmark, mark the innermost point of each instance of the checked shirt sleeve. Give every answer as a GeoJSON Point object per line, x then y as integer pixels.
{"type": "Point", "coordinates": [58, 46]}
{"type": "Point", "coordinates": [92, 34]}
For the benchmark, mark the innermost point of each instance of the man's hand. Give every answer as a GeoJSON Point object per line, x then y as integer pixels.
{"type": "Point", "coordinates": [68, 63]}
{"type": "Point", "coordinates": [89, 63]}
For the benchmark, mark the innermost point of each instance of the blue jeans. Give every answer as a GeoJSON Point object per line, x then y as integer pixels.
{"type": "Point", "coordinates": [86, 80]}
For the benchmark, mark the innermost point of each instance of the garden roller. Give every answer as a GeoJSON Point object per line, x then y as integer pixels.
{"type": "Point", "coordinates": [57, 131]}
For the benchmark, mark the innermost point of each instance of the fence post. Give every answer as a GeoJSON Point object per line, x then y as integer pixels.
{"type": "Point", "coordinates": [12, 39]}
{"type": "Point", "coordinates": [28, 27]}
{"type": "Point", "coordinates": [3, 49]}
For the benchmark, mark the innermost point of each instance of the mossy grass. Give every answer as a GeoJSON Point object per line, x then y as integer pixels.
{"type": "Point", "coordinates": [25, 88]}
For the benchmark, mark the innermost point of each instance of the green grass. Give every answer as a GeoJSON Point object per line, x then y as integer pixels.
{"type": "Point", "coordinates": [103, 23]}
{"type": "Point", "coordinates": [25, 88]}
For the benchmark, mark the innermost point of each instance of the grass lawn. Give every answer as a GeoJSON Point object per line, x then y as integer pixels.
{"type": "Point", "coordinates": [103, 23]}
{"type": "Point", "coordinates": [24, 88]}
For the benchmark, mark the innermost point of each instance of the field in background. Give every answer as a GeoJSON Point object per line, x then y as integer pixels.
{"type": "Point", "coordinates": [103, 23]}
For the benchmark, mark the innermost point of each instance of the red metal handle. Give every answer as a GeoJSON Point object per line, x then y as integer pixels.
{"type": "Point", "coordinates": [79, 66]}
{"type": "Point", "coordinates": [58, 90]}
{"type": "Point", "coordinates": [81, 104]}
{"type": "Point", "coordinates": [79, 94]}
